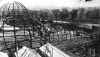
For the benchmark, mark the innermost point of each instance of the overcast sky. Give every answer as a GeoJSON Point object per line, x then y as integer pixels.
{"type": "Point", "coordinates": [59, 3]}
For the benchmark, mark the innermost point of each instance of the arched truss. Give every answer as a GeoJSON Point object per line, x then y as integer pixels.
{"type": "Point", "coordinates": [25, 28]}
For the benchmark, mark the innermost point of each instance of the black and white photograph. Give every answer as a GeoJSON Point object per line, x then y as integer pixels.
{"type": "Point", "coordinates": [49, 28]}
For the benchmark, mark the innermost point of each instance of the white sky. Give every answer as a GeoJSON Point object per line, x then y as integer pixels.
{"type": "Point", "coordinates": [59, 3]}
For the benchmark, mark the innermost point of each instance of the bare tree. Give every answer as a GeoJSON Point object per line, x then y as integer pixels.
{"type": "Point", "coordinates": [73, 14]}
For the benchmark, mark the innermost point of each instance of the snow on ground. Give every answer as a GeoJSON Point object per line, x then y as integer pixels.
{"type": "Point", "coordinates": [8, 27]}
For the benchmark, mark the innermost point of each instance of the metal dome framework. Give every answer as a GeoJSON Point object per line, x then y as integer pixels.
{"type": "Point", "coordinates": [14, 8]}
{"type": "Point", "coordinates": [16, 15]}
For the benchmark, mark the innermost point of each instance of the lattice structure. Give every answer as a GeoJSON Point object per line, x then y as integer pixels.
{"type": "Point", "coordinates": [24, 29]}
{"type": "Point", "coordinates": [18, 28]}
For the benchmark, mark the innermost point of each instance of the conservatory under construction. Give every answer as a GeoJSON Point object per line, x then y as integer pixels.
{"type": "Point", "coordinates": [22, 35]}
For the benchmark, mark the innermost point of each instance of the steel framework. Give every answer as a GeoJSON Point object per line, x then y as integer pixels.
{"type": "Point", "coordinates": [24, 28]}
{"type": "Point", "coordinates": [29, 31]}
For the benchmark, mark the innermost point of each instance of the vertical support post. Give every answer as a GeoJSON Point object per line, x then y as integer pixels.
{"type": "Point", "coordinates": [4, 35]}
{"type": "Point", "coordinates": [24, 27]}
{"type": "Point", "coordinates": [30, 33]}
{"type": "Point", "coordinates": [58, 35]}
{"type": "Point", "coordinates": [14, 29]}
{"type": "Point", "coordinates": [53, 34]}
{"type": "Point", "coordinates": [33, 29]}
{"type": "Point", "coordinates": [62, 30]}
{"type": "Point", "coordinates": [66, 34]}
{"type": "Point", "coordinates": [30, 38]}
{"type": "Point", "coordinates": [70, 35]}
{"type": "Point", "coordinates": [74, 34]}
